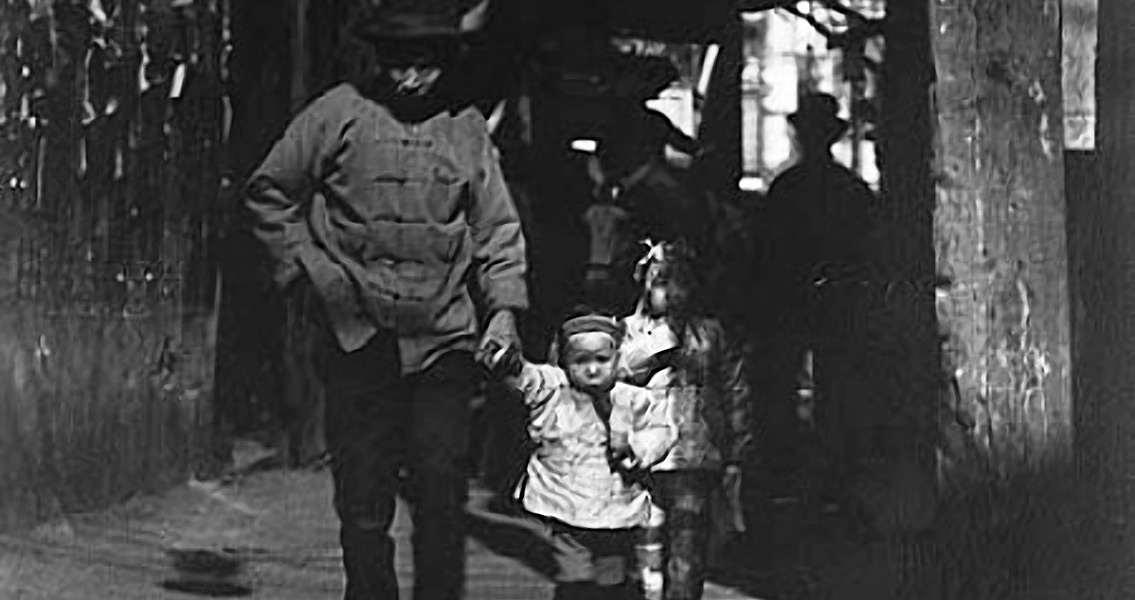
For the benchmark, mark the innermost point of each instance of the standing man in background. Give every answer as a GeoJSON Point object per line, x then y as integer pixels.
{"type": "Point", "coordinates": [821, 219]}
{"type": "Point", "coordinates": [385, 195]}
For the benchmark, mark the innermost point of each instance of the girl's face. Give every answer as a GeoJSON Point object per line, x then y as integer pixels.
{"type": "Point", "coordinates": [590, 360]}
{"type": "Point", "coordinates": [667, 296]}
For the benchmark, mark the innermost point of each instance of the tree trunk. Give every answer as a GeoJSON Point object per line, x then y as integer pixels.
{"type": "Point", "coordinates": [972, 163]}
{"type": "Point", "coordinates": [999, 224]}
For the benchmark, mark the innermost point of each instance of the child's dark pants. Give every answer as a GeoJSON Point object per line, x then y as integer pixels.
{"type": "Point", "coordinates": [592, 562]}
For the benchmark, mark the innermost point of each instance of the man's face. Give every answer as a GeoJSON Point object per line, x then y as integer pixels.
{"type": "Point", "coordinates": [414, 81]}
{"type": "Point", "coordinates": [414, 67]}
{"type": "Point", "coordinates": [590, 360]}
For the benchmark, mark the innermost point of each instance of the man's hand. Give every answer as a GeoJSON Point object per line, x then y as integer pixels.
{"type": "Point", "coordinates": [500, 333]}
{"type": "Point", "coordinates": [501, 361]}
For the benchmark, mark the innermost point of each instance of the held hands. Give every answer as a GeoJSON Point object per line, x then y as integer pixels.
{"type": "Point", "coordinates": [500, 344]}
{"type": "Point", "coordinates": [502, 329]}
{"type": "Point", "coordinates": [501, 361]}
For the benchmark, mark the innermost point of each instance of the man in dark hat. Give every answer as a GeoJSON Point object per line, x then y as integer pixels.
{"type": "Point", "coordinates": [386, 196]}
{"type": "Point", "coordinates": [816, 239]}
{"type": "Point", "coordinates": [635, 136]}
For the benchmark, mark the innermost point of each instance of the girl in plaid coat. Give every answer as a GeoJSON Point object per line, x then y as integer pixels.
{"type": "Point", "coordinates": [672, 347]}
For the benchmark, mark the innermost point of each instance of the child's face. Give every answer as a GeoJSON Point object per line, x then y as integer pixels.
{"type": "Point", "coordinates": [667, 296]}
{"type": "Point", "coordinates": [590, 360]}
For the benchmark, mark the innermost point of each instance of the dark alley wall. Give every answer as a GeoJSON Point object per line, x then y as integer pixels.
{"type": "Point", "coordinates": [111, 134]}
{"type": "Point", "coordinates": [94, 410]}
{"type": "Point", "coordinates": [1083, 189]}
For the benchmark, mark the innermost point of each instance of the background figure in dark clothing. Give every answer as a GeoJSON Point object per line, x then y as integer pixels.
{"type": "Point", "coordinates": [636, 195]}
{"type": "Point", "coordinates": [817, 235]}
{"type": "Point", "coordinates": [385, 197]}
{"type": "Point", "coordinates": [638, 135]}
{"type": "Point", "coordinates": [635, 135]}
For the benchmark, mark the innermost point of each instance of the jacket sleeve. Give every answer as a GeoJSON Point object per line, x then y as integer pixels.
{"type": "Point", "coordinates": [654, 432]}
{"type": "Point", "coordinates": [280, 187]}
{"type": "Point", "coordinates": [498, 241]}
{"type": "Point", "coordinates": [733, 385]}
{"type": "Point", "coordinates": [539, 385]}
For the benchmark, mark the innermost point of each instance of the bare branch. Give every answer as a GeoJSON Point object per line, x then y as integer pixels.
{"type": "Point", "coordinates": [762, 5]}
{"type": "Point", "coordinates": [837, 6]}
{"type": "Point", "coordinates": [820, 27]}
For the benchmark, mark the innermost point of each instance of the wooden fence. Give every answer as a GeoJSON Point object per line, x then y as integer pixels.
{"type": "Point", "coordinates": [113, 118]}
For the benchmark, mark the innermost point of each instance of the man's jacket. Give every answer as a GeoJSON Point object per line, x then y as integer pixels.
{"type": "Point", "coordinates": [388, 220]}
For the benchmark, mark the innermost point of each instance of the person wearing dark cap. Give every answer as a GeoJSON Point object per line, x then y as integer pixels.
{"type": "Point", "coordinates": [386, 196]}
{"type": "Point", "coordinates": [818, 230]}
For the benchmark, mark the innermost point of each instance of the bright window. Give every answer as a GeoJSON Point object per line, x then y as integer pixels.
{"type": "Point", "coordinates": [786, 56]}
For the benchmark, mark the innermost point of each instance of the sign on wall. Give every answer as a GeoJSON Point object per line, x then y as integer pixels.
{"type": "Point", "coordinates": [640, 47]}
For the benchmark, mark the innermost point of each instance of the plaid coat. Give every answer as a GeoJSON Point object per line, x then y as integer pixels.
{"type": "Point", "coordinates": [703, 375]}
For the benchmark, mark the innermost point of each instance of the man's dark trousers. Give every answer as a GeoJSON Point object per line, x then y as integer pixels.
{"type": "Point", "coordinates": [379, 421]}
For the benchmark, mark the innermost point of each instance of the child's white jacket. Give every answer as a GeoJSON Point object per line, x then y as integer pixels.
{"type": "Point", "coordinates": [569, 477]}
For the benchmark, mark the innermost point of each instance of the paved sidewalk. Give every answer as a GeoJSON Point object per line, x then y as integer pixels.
{"type": "Point", "coordinates": [279, 524]}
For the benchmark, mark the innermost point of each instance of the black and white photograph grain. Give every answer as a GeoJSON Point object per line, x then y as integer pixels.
{"type": "Point", "coordinates": [567, 299]}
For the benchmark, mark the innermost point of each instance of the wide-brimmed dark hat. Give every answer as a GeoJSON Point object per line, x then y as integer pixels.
{"type": "Point", "coordinates": [409, 20]}
{"type": "Point", "coordinates": [820, 113]}
{"type": "Point", "coordinates": [641, 78]}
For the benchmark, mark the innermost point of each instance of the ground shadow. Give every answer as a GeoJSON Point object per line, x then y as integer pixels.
{"type": "Point", "coordinates": [789, 553]}
{"type": "Point", "coordinates": [759, 568]}
{"type": "Point", "coordinates": [515, 537]}
{"type": "Point", "coordinates": [210, 589]}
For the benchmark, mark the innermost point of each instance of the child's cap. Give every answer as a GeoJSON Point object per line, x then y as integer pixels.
{"type": "Point", "coordinates": [593, 323]}
{"type": "Point", "coordinates": [585, 322]}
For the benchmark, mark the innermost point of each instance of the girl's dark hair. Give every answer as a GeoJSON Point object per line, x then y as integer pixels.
{"type": "Point", "coordinates": [683, 266]}
{"type": "Point", "coordinates": [682, 263]}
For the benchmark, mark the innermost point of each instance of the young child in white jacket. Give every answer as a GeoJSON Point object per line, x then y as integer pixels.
{"type": "Point", "coordinates": [597, 438]}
